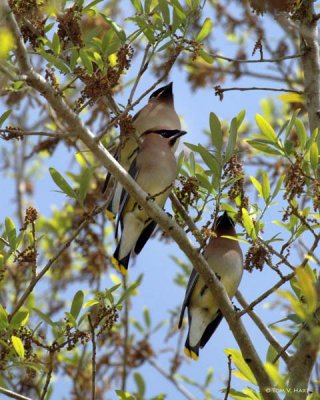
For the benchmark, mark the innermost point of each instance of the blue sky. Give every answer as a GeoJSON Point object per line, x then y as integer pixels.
{"type": "Point", "coordinates": [157, 291]}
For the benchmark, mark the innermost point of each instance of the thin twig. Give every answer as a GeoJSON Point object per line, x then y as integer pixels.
{"type": "Point", "coordinates": [276, 253]}
{"type": "Point", "coordinates": [93, 359]}
{"type": "Point", "coordinates": [13, 395]}
{"type": "Point", "coordinates": [171, 378]}
{"type": "Point", "coordinates": [229, 378]}
{"type": "Point", "coordinates": [264, 330]}
{"type": "Point", "coordinates": [264, 60]}
{"type": "Point", "coordinates": [266, 294]}
{"type": "Point", "coordinates": [284, 348]}
{"type": "Point", "coordinates": [49, 375]}
{"type": "Point", "coordinates": [18, 132]}
{"type": "Point", "coordinates": [142, 69]}
{"type": "Point", "coordinates": [219, 90]}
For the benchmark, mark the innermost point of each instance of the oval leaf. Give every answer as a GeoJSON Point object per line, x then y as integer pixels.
{"type": "Point", "coordinates": [62, 183]}
{"type": "Point", "coordinates": [266, 128]}
{"type": "Point", "coordinates": [4, 116]}
{"type": "Point", "coordinates": [248, 224]}
{"type": "Point", "coordinates": [11, 232]}
{"type": "Point", "coordinates": [77, 304]}
{"type": "Point", "coordinates": [18, 346]}
{"type": "Point", "coordinates": [204, 31]}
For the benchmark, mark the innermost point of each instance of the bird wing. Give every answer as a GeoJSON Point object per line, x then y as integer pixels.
{"type": "Point", "coordinates": [108, 177]}
{"type": "Point", "coordinates": [210, 329]}
{"type": "Point", "coordinates": [125, 197]}
{"type": "Point", "coordinates": [191, 284]}
{"type": "Point", "coordinates": [144, 237]}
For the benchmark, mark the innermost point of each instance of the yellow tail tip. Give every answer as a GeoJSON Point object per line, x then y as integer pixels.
{"type": "Point", "coordinates": [119, 267]}
{"type": "Point", "coordinates": [191, 354]}
{"type": "Point", "coordinates": [110, 215]}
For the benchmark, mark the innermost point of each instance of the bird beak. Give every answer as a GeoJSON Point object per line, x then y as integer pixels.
{"type": "Point", "coordinates": [176, 136]}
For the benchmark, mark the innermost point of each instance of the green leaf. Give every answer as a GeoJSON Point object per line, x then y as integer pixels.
{"type": "Point", "coordinates": [90, 5]}
{"type": "Point", "coordinates": [86, 61]}
{"type": "Point", "coordinates": [236, 395]}
{"type": "Point", "coordinates": [98, 60]}
{"type": "Point", "coordinates": [209, 377]}
{"type": "Point", "coordinates": [248, 224]}
{"type": "Point", "coordinates": [264, 147]}
{"type": "Point", "coordinates": [71, 319]}
{"type": "Point", "coordinates": [122, 395]}
{"type": "Point", "coordinates": [130, 291]}
{"type": "Point", "coordinates": [18, 346]}
{"type": "Point", "coordinates": [307, 289]}
{"type": "Point", "coordinates": [242, 366]}
{"type": "Point", "coordinates": [301, 132]}
{"type": "Point", "coordinates": [11, 233]}
{"type": "Point", "coordinates": [204, 31]}
{"type": "Point", "coordinates": [240, 117]}
{"type": "Point", "coordinates": [85, 183]}
{"type": "Point", "coordinates": [62, 183]}
{"type": "Point", "coordinates": [271, 355]}
{"type": "Point", "coordinates": [314, 156]}
{"type": "Point", "coordinates": [19, 319]}
{"type": "Point", "coordinates": [266, 128]}
{"type": "Point", "coordinates": [77, 303]}
{"type": "Point", "coordinates": [206, 56]}
{"type": "Point", "coordinates": [90, 303]}
{"type": "Point", "coordinates": [3, 318]}
{"type": "Point", "coordinates": [312, 139]}
{"type": "Point", "coordinates": [278, 186]}
{"type": "Point", "coordinates": [140, 384]}
{"type": "Point", "coordinates": [163, 6]}
{"type": "Point", "coordinates": [44, 317]}
{"type": "Point", "coordinates": [56, 48]}
{"type": "Point", "coordinates": [57, 62]}
{"type": "Point", "coordinates": [4, 116]}
{"type": "Point", "coordinates": [137, 5]}
{"type": "Point", "coordinates": [146, 317]}
{"type": "Point", "coordinates": [257, 185]}
{"type": "Point", "coordinates": [275, 375]}
{"type": "Point", "coordinates": [216, 132]}
{"type": "Point", "coordinates": [74, 59]}
{"type": "Point", "coordinates": [265, 187]}
{"type": "Point", "coordinates": [116, 28]}
{"type": "Point", "coordinates": [232, 138]}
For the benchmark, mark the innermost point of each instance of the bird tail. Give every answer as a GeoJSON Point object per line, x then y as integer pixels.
{"type": "Point", "coordinates": [191, 351]}
{"type": "Point", "coordinates": [120, 264]}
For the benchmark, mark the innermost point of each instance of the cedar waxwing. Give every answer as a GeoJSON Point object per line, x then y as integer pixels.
{"type": "Point", "coordinates": [225, 258]}
{"type": "Point", "coordinates": [159, 113]}
{"type": "Point", "coordinates": [155, 170]}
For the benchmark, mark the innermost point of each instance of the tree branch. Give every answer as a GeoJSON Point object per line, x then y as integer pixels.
{"type": "Point", "coordinates": [13, 395]}
{"type": "Point", "coordinates": [264, 330]}
{"type": "Point", "coordinates": [218, 90]}
{"type": "Point", "coordinates": [266, 294]}
{"type": "Point", "coordinates": [263, 60]}
{"type": "Point", "coordinates": [156, 213]}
